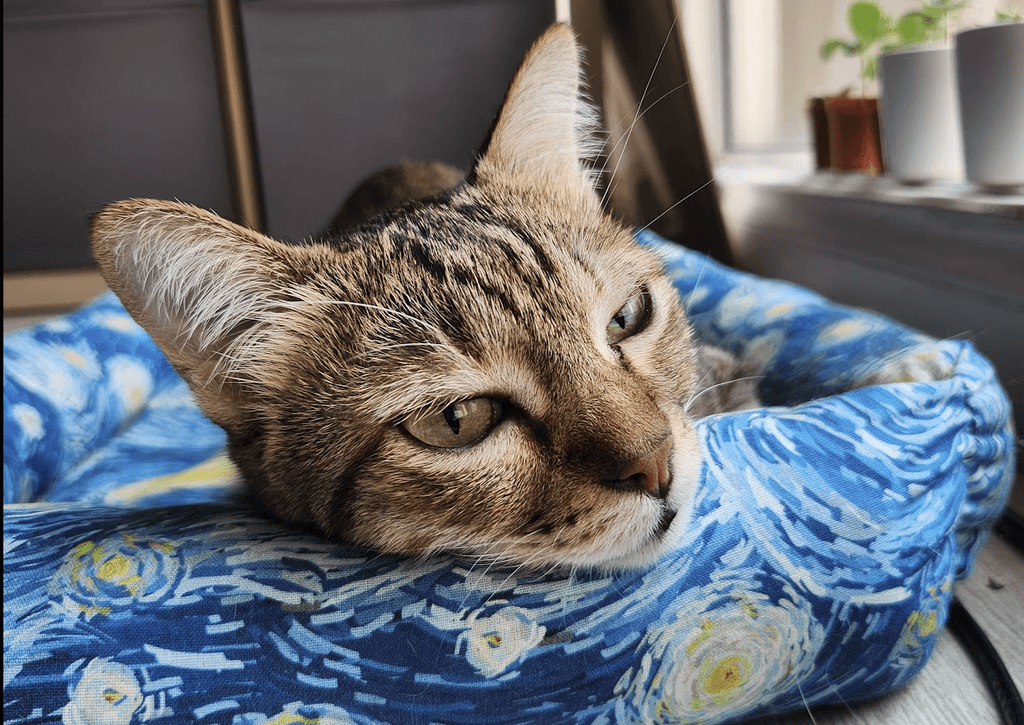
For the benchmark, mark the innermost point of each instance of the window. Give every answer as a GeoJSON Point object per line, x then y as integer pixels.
{"type": "Point", "coordinates": [755, 64]}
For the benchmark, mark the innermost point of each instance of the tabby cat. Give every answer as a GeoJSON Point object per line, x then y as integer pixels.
{"type": "Point", "coordinates": [498, 371]}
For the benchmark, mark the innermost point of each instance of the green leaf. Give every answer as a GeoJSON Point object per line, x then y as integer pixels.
{"type": "Point", "coordinates": [867, 22]}
{"type": "Point", "coordinates": [913, 27]}
{"type": "Point", "coordinates": [829, 48]}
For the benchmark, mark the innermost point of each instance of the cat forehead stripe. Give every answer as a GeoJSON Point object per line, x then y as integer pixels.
{"type": "Point", "coordinates": [480, 214]}
{"type": "Point", "coordinates": [416, 388]}
{"type": "Point", "coordinates": [465, 246]}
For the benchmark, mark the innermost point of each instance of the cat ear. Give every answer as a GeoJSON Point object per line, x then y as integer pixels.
{"type": "Point", "coordinates": [545, 129]}
{"type": "Point", "coordinates": [198, 284]}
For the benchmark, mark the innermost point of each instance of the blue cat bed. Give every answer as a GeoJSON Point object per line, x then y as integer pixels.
{"type": "Point", "coordinates": [829, 531]}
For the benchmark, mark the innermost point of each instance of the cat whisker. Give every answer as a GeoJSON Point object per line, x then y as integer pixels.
{"type": "Point", "coordinates": [700, 188]}
{"type": "Point", "coordinates": [554, 567]}
{"type": "Point", "coordinates": [875, 364]}
{"type": "Point", "coordinates": [856, 716]}
{"type": "Point", "coordinates": [696, 285]}
{"type": "Point", "coordinates": [472, 567]}
{"type": "Point", "coordinates": [700, 389]}
{"type": "Point", "coordinates": [366, 305]}
{"type": "Point", "coordinates": [696, 396]}
{"type": "Point", "coordinates": [554, 539]}
{"type": "Point", "coordinates": [806, 704]}
{"type": "Point", "coordinates": [511, 576]}
{"type": "Point", "coordinates": [498, 552]}
{"type": "Point", "coordinates": [643, 95]}
{"type": "Point", "coordinates": [623, 139]}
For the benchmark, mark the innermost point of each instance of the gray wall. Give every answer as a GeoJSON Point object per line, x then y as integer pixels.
{"type": "Point", "coordinates": [339, 94]}
{"type": "Point", "coordinates": [109, 99]}
{"type": "Point", "coordinates": [103, 101]}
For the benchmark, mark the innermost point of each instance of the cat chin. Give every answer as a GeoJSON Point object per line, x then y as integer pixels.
{"type": "Point", "coordinates": [650, 554]}
{"type": "Point", "coordinates": [660, 542]}
{"type": "Point", "coordinates": [686, 464]}
{"type": "Point", "coordinates": [675, 517]}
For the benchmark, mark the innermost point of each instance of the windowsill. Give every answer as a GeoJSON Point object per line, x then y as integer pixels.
{"type": "Point", "coordinates": [795, 170]}
{"type": "Point", "coordinates": [965, 235]}
{"type": "Point", "coordinates": [49, 291]}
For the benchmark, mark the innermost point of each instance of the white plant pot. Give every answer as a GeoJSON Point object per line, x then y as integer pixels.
{"type": "Point", "coordinates": [918, 115]}
{"type": "Point", "coordinates": [990, 76]}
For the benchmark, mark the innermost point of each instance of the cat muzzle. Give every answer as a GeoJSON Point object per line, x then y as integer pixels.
{"type": "Point", "coordinates": [651, 474]}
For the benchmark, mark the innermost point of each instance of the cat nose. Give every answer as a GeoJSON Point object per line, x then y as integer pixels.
{"type": "Point", "coordinates": [651, 473]}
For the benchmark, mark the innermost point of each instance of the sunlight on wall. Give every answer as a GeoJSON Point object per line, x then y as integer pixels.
{"type": "Point", "coordinates": [756, 71]}
{"type": "Point", "coordinates": [775, 64]}
{"type": "Point", "coordinates": [701, 22]}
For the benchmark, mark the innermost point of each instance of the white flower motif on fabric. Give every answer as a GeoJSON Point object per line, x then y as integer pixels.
{"type": "Point", "coordinates": [737, 305]}
{"type": "Point", "coordinates": [29, 420]}
{"type": "Point", "coordinates": [130, 382]}
{"type": "Point", "coordinates": [779, 311]}
{"type": "Point", "coordinates": [57, 325]}
{"type": "Point", "coordinates": [48, 371]}
{"type": "Point", "coordinates": [926, 363]}
{"type": "Point", "coordinates": [695, 296]}
{"type": "Point", "coordinates": [117, 321]}
{"type": "Point", "coordinates": [103, 693]}
{"type": "Point", "coordinates": [715, 664]}
{"type": "Point", "coordinates": [844, 331]}
{"type": "Point", "coordinates": [495, 643]}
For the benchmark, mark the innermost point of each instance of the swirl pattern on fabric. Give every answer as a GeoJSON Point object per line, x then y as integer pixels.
{"type": "Point", "coordinates": [829, 529]}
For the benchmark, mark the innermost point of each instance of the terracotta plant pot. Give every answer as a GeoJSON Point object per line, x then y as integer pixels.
{"type": "Point", "coordinates": [854, 133]}
{"type": "Point", "coordinates": [819, 132]}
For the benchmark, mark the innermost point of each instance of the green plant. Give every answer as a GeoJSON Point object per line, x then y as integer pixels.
{"type": "Point", "coordinates": [927, 25]}
{"type": "Point", "coordinates": [1010, 15]}
{"type": "Point", "coordinates": [876, 32]}
{"type": "Point", "coordinates": [870, 26]}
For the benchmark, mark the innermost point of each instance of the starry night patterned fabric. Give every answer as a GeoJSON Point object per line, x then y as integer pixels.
{"type": "Point", "coordinates": [829, 529]}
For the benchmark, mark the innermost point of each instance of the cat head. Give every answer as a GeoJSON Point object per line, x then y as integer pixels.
{"type": "Point", "coordinates": [499, 371]}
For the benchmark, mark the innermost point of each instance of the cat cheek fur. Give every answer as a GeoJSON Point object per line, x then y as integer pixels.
{"type": "Point", "coordinates": [520, 511]}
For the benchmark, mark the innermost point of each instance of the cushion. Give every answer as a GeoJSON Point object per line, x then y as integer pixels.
{"type": "Point", "coordinates": [829, 530]}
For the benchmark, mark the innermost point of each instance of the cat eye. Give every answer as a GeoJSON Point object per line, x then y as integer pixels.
{"type": "Point", "coordinates": [460, 424]}
{"type": "Point", "coordinates": [632, 318]}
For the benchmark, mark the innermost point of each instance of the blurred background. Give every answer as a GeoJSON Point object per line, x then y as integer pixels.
{"type": "Point", "coordinates": [107, 99]}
